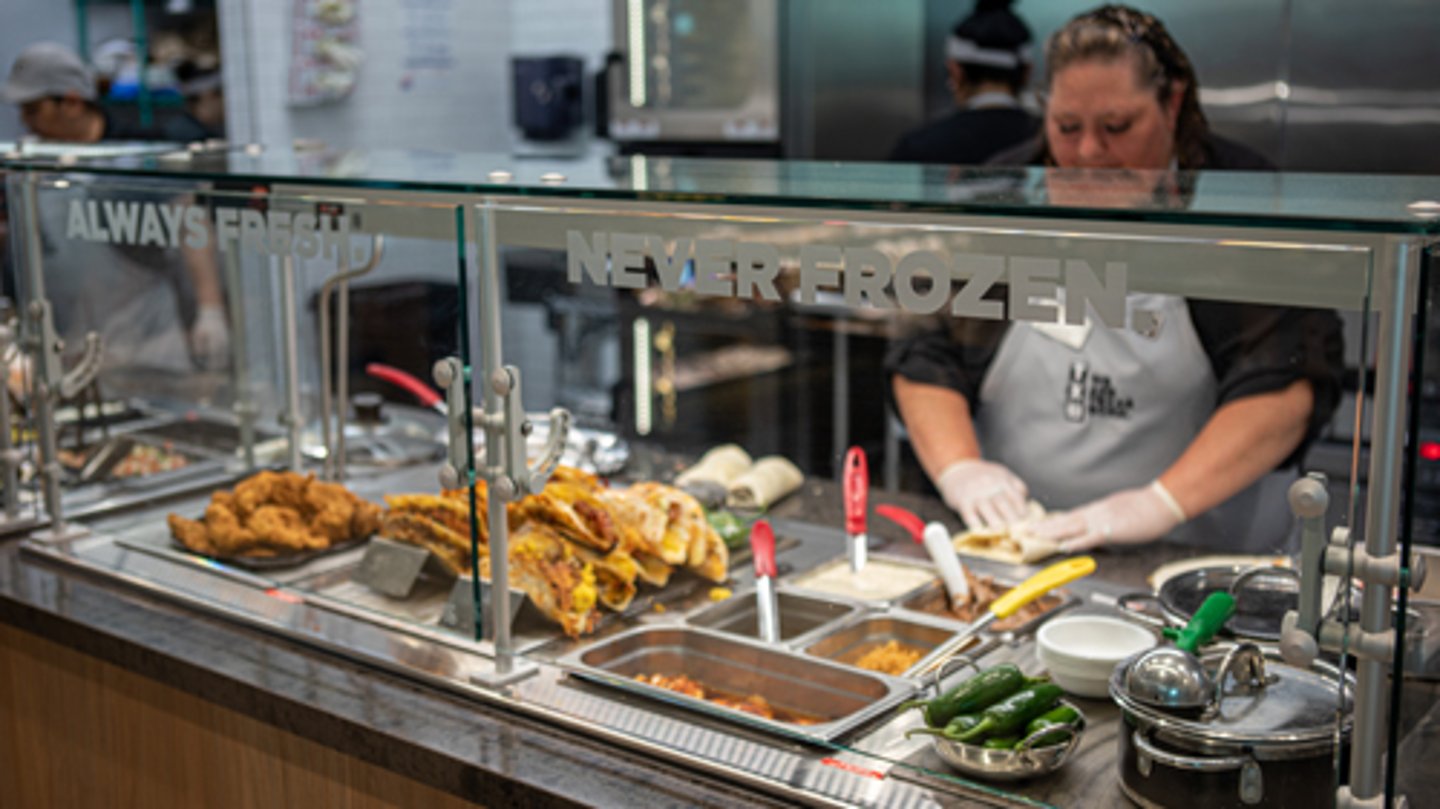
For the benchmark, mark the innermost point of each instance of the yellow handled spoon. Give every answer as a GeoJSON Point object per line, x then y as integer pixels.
{"type": "Point", "coordinates": [1056, 575]}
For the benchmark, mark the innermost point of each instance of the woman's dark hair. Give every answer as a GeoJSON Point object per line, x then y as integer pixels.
{"type": "Point", "coordinates": [995, 40]}
{"type": "Point", "coordinates": [1114, 32]}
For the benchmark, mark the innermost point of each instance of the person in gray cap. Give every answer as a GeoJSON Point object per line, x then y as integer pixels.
{"type": "Point", "coordinates": [157, 308]}
{"type": "Point", "coordinates": [56, 94]}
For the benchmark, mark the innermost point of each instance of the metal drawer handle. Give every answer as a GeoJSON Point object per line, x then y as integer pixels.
{"type": "Point", "coordinates": [1252, 787]}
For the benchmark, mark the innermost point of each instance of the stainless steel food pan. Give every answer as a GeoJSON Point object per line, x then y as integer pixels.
{"type": "Point", "coordinates": [933, 600]}
{"type": "Point", "coordinates": [800, 615]}
{"type": "Point", "coordinates": [837, 699]}
{"type": "Point", "coordinates": [849, 643]}
{"type": "Point", "coordinates": [871, 578]}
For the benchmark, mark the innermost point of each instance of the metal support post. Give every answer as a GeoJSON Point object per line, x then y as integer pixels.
{"type": "Point", "coordinates": [244, 407]}
{"type": "Point", "coordinates": [52, 383]}
{"type": "Point", "coordinates": [334, 407]}
{"type": "Point", "coordinates": [506, 427]}
{"type": "Point", "coordinates": [293, 419]}
{"type": "Point", "coordinates": [1395, 272]}
{"type": "Point", "coordinates": [9, 456]}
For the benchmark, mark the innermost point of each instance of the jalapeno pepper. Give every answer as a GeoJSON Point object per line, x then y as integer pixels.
{"type": "Point", "coordinates": [1061, 715]}
{"type": "Point", "coordinates": [978, 692]}
{"type": "Point", "coordinates": [1064, 720]}
{"type": "Point", "coordinates": [954, 728]}
{"type": "Point", "coordinates": [1001, 743]}
{"type": "Point", "coordinates": [732, 530]}
{"type": "Point", "coordinates": [1011, 714]}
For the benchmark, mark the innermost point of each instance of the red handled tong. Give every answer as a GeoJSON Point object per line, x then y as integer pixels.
{"type": "Point", "coordinates": [412, 385]}
{"type": "Point", "coordinates": [762, 549]}
{"type": "Point", "coordinates": [857, 493]}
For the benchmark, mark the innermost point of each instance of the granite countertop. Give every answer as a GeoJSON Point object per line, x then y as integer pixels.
{"type": "Point", "coordinates": [478, 752]}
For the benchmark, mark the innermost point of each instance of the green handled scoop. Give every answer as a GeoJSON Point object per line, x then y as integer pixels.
{"type": "Point", "coordinates": [1172, 678]}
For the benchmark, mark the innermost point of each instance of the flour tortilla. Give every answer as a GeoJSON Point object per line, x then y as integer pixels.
{"type": "Point", "coordinates": [721, 465]}
{"type": "Point", "coordinates": [768, 481]}
{"type": "Point", "coordinates": [1012, 543]}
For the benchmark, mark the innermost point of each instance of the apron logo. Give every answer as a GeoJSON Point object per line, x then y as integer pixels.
{"type": "Point", "coordinates": [1088, 394]}
{"type": "Point", "coordinates": [922, 282]}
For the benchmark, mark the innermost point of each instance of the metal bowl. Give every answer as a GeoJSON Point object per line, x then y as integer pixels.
{"type": "Point", "coordinates": [1009, 765]}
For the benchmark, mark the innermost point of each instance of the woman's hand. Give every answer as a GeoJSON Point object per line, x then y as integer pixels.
{"type": "Point", "coordinates": [986, 494]}
{"type": "Point", "coordinates": [1127, 517]}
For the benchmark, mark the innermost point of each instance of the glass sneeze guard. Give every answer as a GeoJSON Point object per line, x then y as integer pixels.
{"type": "Point", "coordinates": [672, 306]}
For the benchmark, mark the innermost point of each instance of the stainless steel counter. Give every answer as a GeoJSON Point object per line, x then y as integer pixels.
{"type": "Point", "coordinates": [873, 766]}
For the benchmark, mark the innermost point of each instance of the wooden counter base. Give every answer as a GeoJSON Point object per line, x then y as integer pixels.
{"type": "Point", "coordinates": [81, 732]}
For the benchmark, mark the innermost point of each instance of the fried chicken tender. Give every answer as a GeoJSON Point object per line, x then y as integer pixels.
{"type": "Point", "coordinates": [193, 535]}
{"type": "Point", "coordinates": [284, 527]}
{"type": "Point", "coordinates": [277, 513]}
{"type": "Point", "coordinates": [333, 507]}
{"type": "Point", "coordinates": [228, 534]}
{"type": "Point", "coordinates": [285, 489]}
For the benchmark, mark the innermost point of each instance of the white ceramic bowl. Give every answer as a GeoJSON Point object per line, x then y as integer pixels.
{"type": "Point", "coordinates": [1081, 651]}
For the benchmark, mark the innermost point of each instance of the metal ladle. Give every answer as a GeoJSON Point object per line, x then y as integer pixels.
{"type": "Point", "coordinates": [1172, 678]}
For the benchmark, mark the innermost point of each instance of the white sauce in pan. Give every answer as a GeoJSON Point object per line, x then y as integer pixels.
{"type": "Point", "coordinates": [878, 580]}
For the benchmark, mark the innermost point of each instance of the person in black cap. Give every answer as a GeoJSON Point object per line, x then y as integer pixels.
{"type": "Point", "coordinates": [988, 61]}
{"type": "Point", "coordinates": [56, 94]}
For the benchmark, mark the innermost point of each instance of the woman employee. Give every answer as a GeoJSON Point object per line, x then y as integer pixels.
{"type": "Point", "coordinates": [1190, 428]}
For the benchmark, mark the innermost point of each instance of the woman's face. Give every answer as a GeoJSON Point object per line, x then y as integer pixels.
{"type": "Point", "coordinates": [1100, 117]}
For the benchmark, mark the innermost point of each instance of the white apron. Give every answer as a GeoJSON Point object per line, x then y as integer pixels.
{"type": "Point", "coordinates": [1081, 412]}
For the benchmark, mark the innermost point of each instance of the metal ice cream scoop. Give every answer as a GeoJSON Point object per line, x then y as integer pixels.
{"type": "Point", "coordinates": [1171, 677]}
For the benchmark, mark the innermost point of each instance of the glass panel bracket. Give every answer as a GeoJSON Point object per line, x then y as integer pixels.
{"type": "Point", "coordinates": [1304, 632]}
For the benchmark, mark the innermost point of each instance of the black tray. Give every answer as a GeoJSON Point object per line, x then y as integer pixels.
{"type": "Point", "coordinates": [272, 562]}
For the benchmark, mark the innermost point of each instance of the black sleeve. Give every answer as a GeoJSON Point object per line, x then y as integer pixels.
{"type": "Point", "coordinates": [950, 353]}
{"type": "Point", "coordinates": [903, 151]}
{"type": "Point", "coordinates": [1257, 349]}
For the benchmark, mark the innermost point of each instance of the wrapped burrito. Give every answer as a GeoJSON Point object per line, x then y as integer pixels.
{"type": "Point", "coordinates": [769, 480]}
{"type": "Point", "coordinates": [1012, 543]}
{"type": "Point", "coordinates": [721, 465]}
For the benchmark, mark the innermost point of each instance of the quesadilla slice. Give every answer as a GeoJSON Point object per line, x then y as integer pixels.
{"type": "Point", "coordinates": [615, 574]}
{"type": "Point", "coordinates": [576, 513]}
{"type": "Point", "coordinates": [453, 513]}
{"type": "Point", "coordinates": [451, 548]}
{"type": "Point", "coordinates": [557, 581]}
{"type": "Point", "coordinates": [715, 566]}
{"type": "Point", "coordinates": [652, 569]}
{"type": "Point", "coordinates": [577, 477]}
{"type": "Point", "coordinates": [679, 543]}
{"type": "Point", "coordinates": [641, 524]}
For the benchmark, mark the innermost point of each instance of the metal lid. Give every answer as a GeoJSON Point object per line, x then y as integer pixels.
{"type": "Point", "coordinates": [1294, 706]}
{"type": "Point", "coordinates": [1293, 701]}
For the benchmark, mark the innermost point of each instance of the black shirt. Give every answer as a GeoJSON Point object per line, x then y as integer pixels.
{"type": "Point", "coordinates": [120, 129]}
{"type": "Point", "coordinates": [966, 137]}
{"type": "Point", "coordinates": [1252, 348]}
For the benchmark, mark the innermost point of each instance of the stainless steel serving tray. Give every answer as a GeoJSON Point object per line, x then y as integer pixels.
{"type": "Point", "coordinates": [801, 614]}
{"type": "Point", "coordinates": [847, 643]}
{"type": "Point", "coordinates": [840, 697]}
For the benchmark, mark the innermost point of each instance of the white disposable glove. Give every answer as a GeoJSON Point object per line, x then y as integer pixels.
{"type": "Point", "coordinates": [210, 338]}
{"type": "Point", "coordinates": [986, 494]}
{"type": "Point", "coordinates": [1127, 517]}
